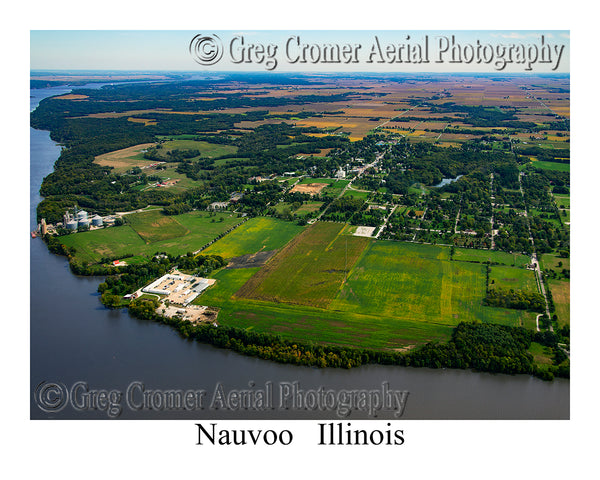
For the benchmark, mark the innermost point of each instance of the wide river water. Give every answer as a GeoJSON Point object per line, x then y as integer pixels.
{"type": "Point", "coordinates": [75, 339]}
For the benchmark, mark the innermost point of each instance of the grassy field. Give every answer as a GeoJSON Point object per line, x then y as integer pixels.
{"type": "Point", "coordinates": [108, 242]}
{"type": "Point", "coordinates": [309, 270]}
{"type": "Point", "coordinates": [150, 232]}
{"type": "Point", "coordinates": [308, 207]}
{"type": "Point", "coordinates": [515, 278]}
{"type": "Point", "coordinates": [154, 226]}
{"type": "Point", "coordinates": [261, 233]}
{"type": "Point", "coordinates": [305, 323]}
{"type": "Point", "coordinates": [328, 181]}
{"type": "Point", "coordinates": [358, 195]}
{"type": "Point", "coordinates": [560, 167]}
{"type": "Point", "coordinates": [541, 355]}
{"type": "Point", "coordinates": [561, 295]}
{"type": "Point", "coordinates": [562, 200]}
{"type": "Point", "coordinates": [473, 255]}
{"type": "Point", "coordinates": [206, 149]}
{"type": "Point", "coordinates": [418, 283]}
{"type": "Point", "coordinates": [549, 261]}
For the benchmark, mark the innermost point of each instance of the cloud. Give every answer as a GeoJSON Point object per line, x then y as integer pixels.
{"type": "Point", "coordinates": [517, 35]}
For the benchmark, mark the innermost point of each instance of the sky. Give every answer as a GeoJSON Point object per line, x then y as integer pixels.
{"type": "Point", "coordinates": [170, 50]}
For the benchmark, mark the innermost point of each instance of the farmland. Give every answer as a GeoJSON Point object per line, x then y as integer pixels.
{"type": "Point", "coordinates": [395, 295]}
{"type": "Point", "coordinates": [253, 236]}
{"type": "Point", "coordinates": [419, 283]}
{"type": "Point", "coordinates": [310, 270]}
{"type": "Point", "coordinates": [147, 233]}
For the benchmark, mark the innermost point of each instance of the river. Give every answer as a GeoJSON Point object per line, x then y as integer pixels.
{"type": "Point", "coordinates": [75, 339]}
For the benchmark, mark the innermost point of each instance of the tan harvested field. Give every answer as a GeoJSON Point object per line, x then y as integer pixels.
{"type": "Point", "coordinates": [71, 96]}
{"type": "Point", "coordinates": [124, 114]}
{"type": "Point", "coordinates": [561, 294]}
{"type": "Point", "coordinates": [310, 188]}
{"type": "Point", "coordinates": [145, 121]}
{"type": "Point", "coordinates": [123, 158]}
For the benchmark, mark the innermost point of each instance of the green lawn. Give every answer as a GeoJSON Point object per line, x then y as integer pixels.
{"type": "Point", "coordinates": [317, 180]}
{"type": "Point", "coordinates": [562, 200]}
{"type": "Point", "coordinates": [550, 261]}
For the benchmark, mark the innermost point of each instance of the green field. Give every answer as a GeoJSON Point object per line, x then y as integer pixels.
{"type": "Point", "coordinates": [515, 278]}
{"type": "Point", "coordinates": [494, 256]}
{"type": "Point", "coordinates": [549, 261]}
{"type": "Point", "coordinates": [560, 167]}
{"type": "Point", "coordinates": [305, 323]}
{"type": "Point", "coordinates": [261, 233]}
{"type": "Point", "coordinates": [206, 149]}
{"type": "Point", "coordinates": [397, 294]}
{"type": "Point", "coordinates": [310, 270]}
{"type": "Point", "coordinates": [329, 181]}
{"type": "Point", "coordinates": [562, 200]}
{"type": "Point", "coordinates": [109, 242]}
{"type": "Point", "coordinates": [154, 226]}
{"type": "Point", "coordinates": [148, 233]}
{"type": "Point", "coordinates": [417, 283]}
{"type": "Point", "coordinates": [358, 195]}
{"type": "Point", "coordinates": [170, 173]}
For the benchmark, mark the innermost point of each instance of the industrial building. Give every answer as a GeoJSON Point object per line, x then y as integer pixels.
{"type": "Point", "coordinates": [179, 288]}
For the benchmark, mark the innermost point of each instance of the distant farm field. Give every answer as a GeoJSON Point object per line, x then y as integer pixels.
{"type": "Point", "coordinates": [206, 149]}
{"type": "Point", "coordinates": [309, 270]}
{"type": "Point", "coordinates": [125, 158]}
{"type": "Point", "coordinates": [260, 233]}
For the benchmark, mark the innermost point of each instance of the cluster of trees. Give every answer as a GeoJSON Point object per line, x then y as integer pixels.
{"type": "Point", "coordinates": [517, 299]}
{"type": "Point", "coordinates": [344, 209]}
